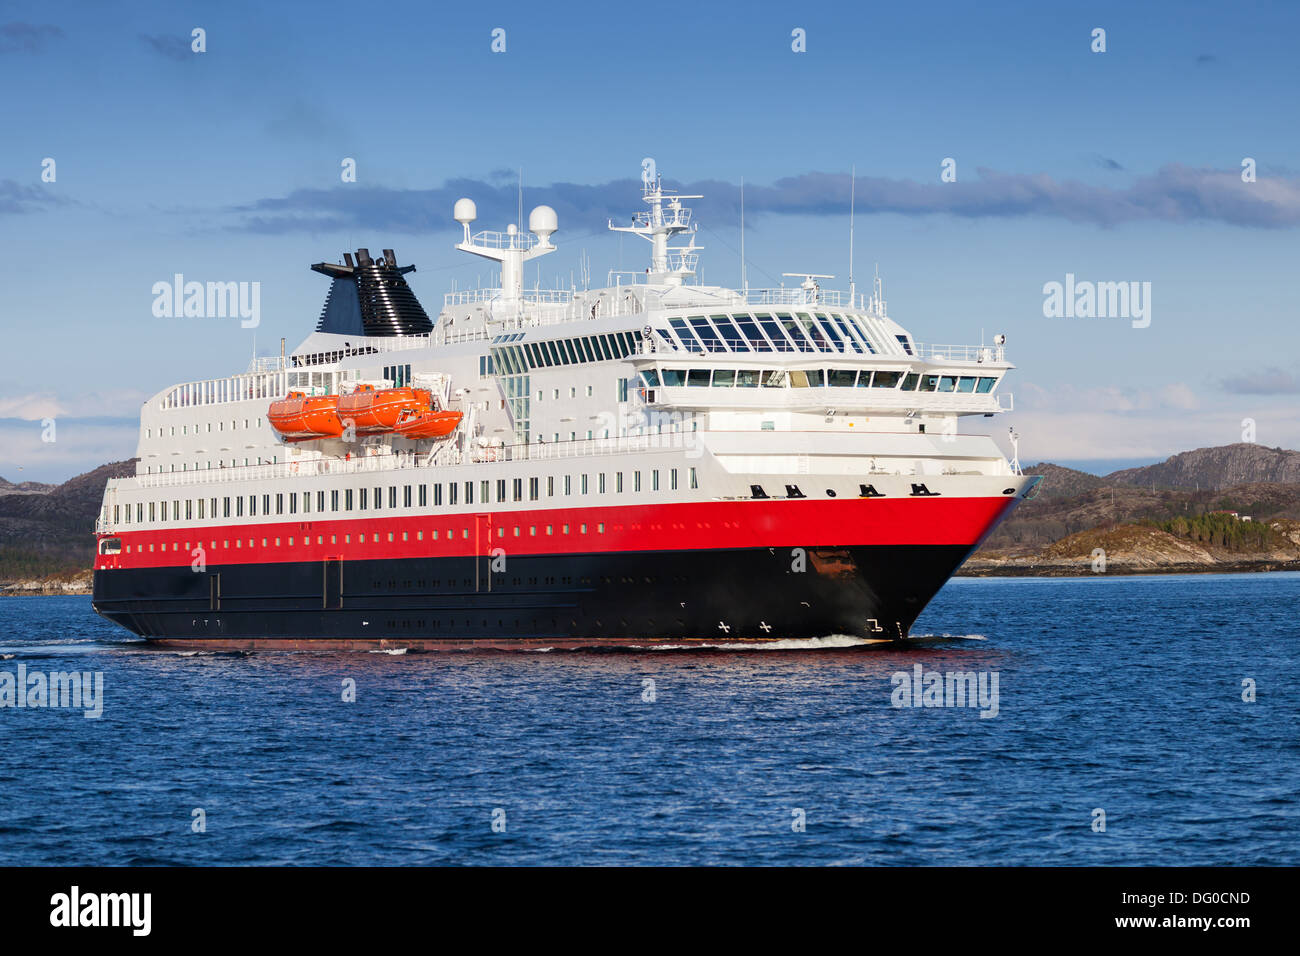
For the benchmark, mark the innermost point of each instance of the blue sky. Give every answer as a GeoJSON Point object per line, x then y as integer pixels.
{"type": "Point", "coordinates": [1115, 166]}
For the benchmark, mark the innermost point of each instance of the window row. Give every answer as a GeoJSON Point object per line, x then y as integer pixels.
{"type": "Point", "coordinates": [519, 359]}
{"type": "Point", "coordinates": [815, 378]}
{"type": "Point", "coordinates": [450, 494]}
{"type": "Point", "coordinates": [435, 534]}
{"type": "Point", "coordinates": [775, 332]}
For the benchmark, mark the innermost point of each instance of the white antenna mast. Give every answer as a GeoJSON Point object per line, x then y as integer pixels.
{"type": "Point", "coordinates": [853, 185]}
{"type": "Point", "coordinates": [744, 282]}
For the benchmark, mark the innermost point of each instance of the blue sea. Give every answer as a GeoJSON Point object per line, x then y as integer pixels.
{"type": "Point", "coordinates": [1120, 696]}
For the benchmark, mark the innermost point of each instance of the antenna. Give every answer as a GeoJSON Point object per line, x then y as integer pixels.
{"type": "Point", "coordinates": [744, 282]}
{"type": "Point", "coordinates": [853, 186]}
{"type": "Point", "coordinates": [519, 221]}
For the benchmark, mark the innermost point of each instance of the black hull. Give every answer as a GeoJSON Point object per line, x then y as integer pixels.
{"type": "Point", "coordinates": [551, 600]}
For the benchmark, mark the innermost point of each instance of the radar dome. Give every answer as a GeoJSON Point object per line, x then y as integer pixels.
{"type": "Point", "coordinates": [543, 221]}
{"type": "Point", "coordinates": [465, 211]}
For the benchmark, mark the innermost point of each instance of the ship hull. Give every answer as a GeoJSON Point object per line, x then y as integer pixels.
{"type": "Point", "coordinates": [574, 600]}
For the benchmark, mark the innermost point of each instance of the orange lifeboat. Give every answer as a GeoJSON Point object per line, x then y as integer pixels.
{"type": "Point", "coordinates": [302, 417]}
{"type": "Point", "coordinates": [374, 411]}
{"type": "Point", "coordinates": [427, 423]}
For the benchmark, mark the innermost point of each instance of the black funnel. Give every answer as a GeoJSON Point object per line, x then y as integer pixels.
{"type": "Point", "coordinates": [371, 298]}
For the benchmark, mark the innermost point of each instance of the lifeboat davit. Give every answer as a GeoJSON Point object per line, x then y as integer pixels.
{"type": "Point", "coordinates": [428, 423]}
{"type": "Point", "coordinates": [302, 417]}
{"type": "Point", "coordinates": [374, 411]}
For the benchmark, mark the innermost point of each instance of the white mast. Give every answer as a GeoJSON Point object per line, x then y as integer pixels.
{"type": "Point", "coordinates": [853, 185]}
{"type": "Point", "coordinates": [744, 280]}
{"type": "Point", "coordinates": [667, 217]}
{"type": "Point", "coordinates": [511, 248]}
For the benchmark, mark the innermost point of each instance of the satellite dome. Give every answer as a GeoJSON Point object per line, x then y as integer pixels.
{"type": "Point", "coordinates": [543, 221]}
{"type": "Point", "coordinates": [465, 211]}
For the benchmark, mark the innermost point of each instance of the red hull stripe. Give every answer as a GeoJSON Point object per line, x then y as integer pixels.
{"type": "Point", "coordinates": [691, 526]}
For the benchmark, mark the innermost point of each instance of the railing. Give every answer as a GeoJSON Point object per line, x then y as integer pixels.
{"type": "Point", "coordinates": [306, 468]}
{"type": "Point", "coordinates": [465, 296]}
{"type": "Point", "coordinates": [960, 353]}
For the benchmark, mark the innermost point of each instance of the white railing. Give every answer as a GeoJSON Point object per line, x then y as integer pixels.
{"type": "Point", "coordinates": [306, 468]}
{"type": "Point", "coordinates": [466, 296]}
{"type": "Point", "coordinates": [960, 353]}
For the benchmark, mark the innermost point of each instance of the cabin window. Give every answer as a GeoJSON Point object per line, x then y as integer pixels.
{"type": "Point", "coordinates": [320, 501]}
{"type": "Point", "coordinates": [379, 498]}
{"type": "Point", "coordinates": [347, 499]}
{"type": "Point", "coordinates": [437, 495]}
{"type": "Point", "coordinates": [695, 481]}
{"type": "Point", "coordinates": [518, 489]}
{"type": "Point", "coordinates": [532, 489]}
{"type": "Point", "coordinates": [392, 496]}
{"type": "Point", "coordinates": [452, 493]}
{"type": "Point", "coordinates": [618, 482]}
{"type": "Point", "coordinates": [424, 496]}
{"type": "Point", "coordinates": [110, 545]}
{"type": "Point", "coordinates": [501, 490]}
{"type": "Point", "coordinates": [469, 492]}
{"type": "Point", "coordinates": [600, 483]}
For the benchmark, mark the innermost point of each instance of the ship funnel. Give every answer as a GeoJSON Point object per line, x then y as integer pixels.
{"type": "Point", "coordinates": [371, 297]}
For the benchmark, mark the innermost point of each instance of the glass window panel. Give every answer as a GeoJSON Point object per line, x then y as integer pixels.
{"type": "Point", "coordinates": [698, 377]}
{"type": "Point", "coordinates": [724, 377]}
{"type": "Point", "coordinates": [730, 334]}
{"type": "Point", "coordinates": [966, 383]}
{"type": "Point", "coordinates": [674, 377]}
{"type": "Point", "coordinates": [746, 378]}
{"type": "Point", "coordinates": [985, 385]}
{"type": "Point", "coordinates": [886, 379]}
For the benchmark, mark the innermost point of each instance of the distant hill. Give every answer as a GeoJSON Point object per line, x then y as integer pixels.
{"type": "Point", "coordinates": [1214, 468]}
{"type": "Point", "coordinates": [1061, 482]}
{"type": "Point", "coordinates": [54, 531]}
{"type": "Point", "coordinates": [24, 488]}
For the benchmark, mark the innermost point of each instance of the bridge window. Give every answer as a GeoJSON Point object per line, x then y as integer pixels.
{"type": "Point", "coordinates": [910, 382]}
{"type": "Point", "coordinates": [929, 383]}
{"type": "Point", "coordinates": [698, 377]}
{"type": "Point", "coordinates": [947, 383]}
{"type": "Point", "coordinates": [749, 328]}
{"type": "Point", "coordinates": [814, 332]}
{"type": "Point", "coordinates": [985, 385]}
{"type": "Point", "coordinates": [724, 377]}
{"type": "Point", "coordinates": [746, 378]}
{"type": "Point", "coordinates": [708, 336]}
{"type": "Point", "coordinates": [773, 331]}
{"type": "Point", "coordinates": [842, 377]}
{"type": "Point", "coordinates": [796, 333]}
{"type": "Point", "coordinates": [888, 379]}
{"type": "Point", "coordinates": [731, 335]}
{"type": "Point", "coordinates": [650, 378]}
{"type": "Point", "coordinates": [966, 383]}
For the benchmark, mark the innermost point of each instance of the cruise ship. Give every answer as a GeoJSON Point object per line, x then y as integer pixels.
{"type": "Point", "coordinates": [654, 462]}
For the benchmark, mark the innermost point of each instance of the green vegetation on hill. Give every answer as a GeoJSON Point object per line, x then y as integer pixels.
{"type": "Point", "coordinates": [1224, 531]}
